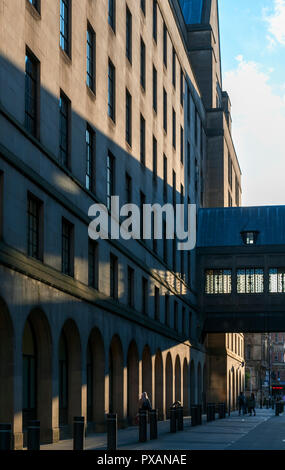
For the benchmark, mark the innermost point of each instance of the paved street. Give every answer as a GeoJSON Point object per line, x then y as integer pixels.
{"type": "Point", "coordinates": [262, 432]}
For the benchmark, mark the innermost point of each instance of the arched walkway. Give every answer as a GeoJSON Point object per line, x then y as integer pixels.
{"type": "Point", "coordinates": [177, 379]}
{"type": "Point", "coordinates": [133, 382]}
{"type": "Point", "coordinates": [192, 384]}
{"type": "Point", "coordinates": [169, 383]}
{"type": "Point", "coordinates": [116, 380]}
{"type": "Point", "coordinates": [147, 373]}
{"type": "Point", "coordinates": [96, 380]}
{"type": "Point", "coordinates": [6, 364]}
{"type": "Point", "coordinates": [158, 366]}
{"type": "Point", "coordinates": [185, 388]}
{"type": "Point", "coordinates": [70, 374]}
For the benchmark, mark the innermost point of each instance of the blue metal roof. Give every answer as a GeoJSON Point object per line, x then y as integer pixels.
{"type": "Point", "coordinates": [223, 226]}
{"type": "Point", "coordinates": [192, 11]}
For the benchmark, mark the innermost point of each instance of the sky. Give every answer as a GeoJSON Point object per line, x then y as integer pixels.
{"type": "Point", "coordinates": [253, 69]}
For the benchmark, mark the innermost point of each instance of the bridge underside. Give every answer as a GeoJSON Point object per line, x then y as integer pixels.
{"type": "Point", "coordinates": [245, 322]}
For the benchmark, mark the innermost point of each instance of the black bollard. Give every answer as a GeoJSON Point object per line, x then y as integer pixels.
{"type": "Point", "coordinates": [199, 415]}
{"type": "Point", "coordinates": [208, 413]}
{"type": "Point", "coordinates": [142, 425]}
{"type": "Point", "coordinates": [180, 423]}
{"type": "Point", "coordinates": [213, 413]}
{"type": "Point", "coordinates": [153, 424]}
{"type": "Point", "coordinates": [78, 433]}
{"type": "Point", "coordinates": [111, 432]}
{"type": "Point", "coordinates": [277, 409]}
{"type": "Point", "coordinates": [5, 436]}
{"type": "Point", "coordinates": [33, 438]}
{"type": "Point", "coordinates": [220, 410]}
{"type": "Point", "coordinates": [193, 416]}
{"type": "Point", "coordinates": [172, 420]}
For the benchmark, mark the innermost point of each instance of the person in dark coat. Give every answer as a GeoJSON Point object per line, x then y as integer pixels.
{"type": "Point", "coordinates": [241, 403]}
{"type": "Point", "coordinates": [251, 405]}
{"type": "Point", "coordinates": [144, 402]}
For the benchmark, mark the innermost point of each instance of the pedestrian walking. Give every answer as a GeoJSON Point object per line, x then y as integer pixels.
{"type": "Point", "coordinates": [144, 402]}
{"type": "Point", "coordinates": [251, 405]}
{"type": "Point", "coordinates": [241, 403]}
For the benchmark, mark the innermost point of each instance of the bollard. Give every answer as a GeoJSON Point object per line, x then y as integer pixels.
{"type": "Point", "coordinates": [111, 431]}
{"type": "Point", "coordinates": [208, 413]}
{"type": "Point", "coordinates": [220, 410]}
{"type": "Point", "coordinates": [213, 412]}
{"type": "Point", "coordinates": [272, 404]}
{"type": "Point", "coordinates": [180, 423]}
{"type": "Point", "coordinates": [194, 416]}
{"type": "Point", "coordinates": [33, 438]}
{"type": "Point", "coordinates": [153, 424]}
{"type": "Point", "coordinates": [277, 410]}
{"type": "Point", "coordinates": [199, 415]}
{"type": "Point", "coordinates": [172, 420]}
{"type": "Point", "coordinates": [5, 436]}
{"type": "Point", "coordinates": [142, 425]}
{"type": "Point", "coordinates": [267, 404]}
{"type": "Point", "coordinates": [78, 433]}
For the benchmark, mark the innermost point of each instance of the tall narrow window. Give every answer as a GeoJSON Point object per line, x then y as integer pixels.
{"type": "Point", "coordinates": [164, 178]}
{"type": "Point", "coordinates": [113, 277]}
{"type": "Point", "coordinates": [164, 44]}
{"type": "Point", "coordinates": [131, 287]}
{"type": "Point", "coordinates": [188, 162]}
{"type": "Point", "coordinates": [36, 4]}
{"type": "Point", "coordinates": [35, 229]}
{"type": "Point", "coordinates": [128, 118]}
{"type": "Point", "coordinates": [93, 264]}
{"type": "Point", "coordinates": [31, 93]}
{"type": "Point", "coordinates": [173, 67]}
{"type": "Point", "coordinates": [154, 88]}
{"type": "Point", "coordinates": [112, 14]}
{"type": "Point", "coordinates": [164, 110]}
{"type": "Point", "coordinates": [154, 20]}
{"type": "Point", "coordinates": [65, 26]}
{"type": "Point", "coordinates": [175, 316]}
{"type": "Point", "coordinates": [164, 239]}
{"type": "Point", "coordinates": [111, 90]}
{"type": "Point", "coordinates": [181, 87]}
{"type": "Point", "coordinates": [143, 6]}
{"type": "Point", "coordinates": [230, 171]}
{"type": "Point", "coordinates": [181, 145]}
{"type": "Point", "coordinates": [144, 296]}
{"type": "Point", "coordinates": [188, 105]}
{"type": "Point", "coordinates": [167, 310]}
{"type": "Point", "coordinates": [156, 304]}
{"type": "Point", "coordinates": [129, 29]}
{"type": "Point", "coordinates": [142, 64]}
{"type": "Point", "coordinates": [184, 330]}
{"type": "Point", "coordinates": [154, 159]}
{"type": "Point", "coordinates": [174, 128]}
{"type": "Point", "coordinates": [174, 248]}
{"type": "Point", "coordinates": [67, 248]}
{"type": "Point", "coordinates": [90, 164]}
{"type": "Point", "coordinates": [110, 178]}
{"type": "Point", "coordinates": [142, 140]}
{"type": "Point", "coordinates": [142, 203]}
{"type": "Point", "coordinates": [174, 189]}
{"type": "Point", "coordinates": [189, 267]}
{"type": "Point", "coordinates": [90, 74]}
{"type": "Point", "coordinates": [128, 189]}
{"type": "Point", "coordinates": [64, 110]}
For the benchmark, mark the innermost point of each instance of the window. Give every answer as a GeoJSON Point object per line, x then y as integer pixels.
{"type": "Point", "coordinates": [142, 140]}
{"type": "Point", "coordinates": [248, 352]}
{"type": "Point", "coordinates": [164, 44]}
{"type": "Point", "coordinates": [31, 93]}
{"type": "Point", "coordinates": [128, 189]}
{"type": "Point", "coordinates": [188, 161]}
{"type": "Point", "coordinates": [142, 64]}
{"type": "Point", "coordinates": [111, 91]}
{"type": "Point", "coordinates": [237, 192]}
{"type": "Point", "coordinates": [250, 281]}
{"type": "Point", "coordinates": [181, 87]}
{"type": "Point", "coordinates": [142, 203]}
{"type": "Point", "coordinates": [174, 247]}
{"type": "Point", "coordinates": [93, 264]}
{"type": "Point", "coordinates": [112, 14]}
{"type": "Point", "coordinates": [184, 321]}
{"type": "Point", "coordinates": [67, 248]}
{"type": "Point", "coordinates": [144, 296]}
{"type": "Point", "coordinates": [110, 178]}
{"type": "Point", "coordinates": [165, 254]}
{"type": "Point", "coordinates": [174, 128]}
{"type": "Point", "coordinates": [143, 6]}
{"type": "Point", "coordinates": [156, 304]}
{"type": "Point", "coordinates": [65, 26]}
{"type": "Point", "coordinates": [175, 316]}
{"type": "Point", "coordinates": [181, 145]}
{"type": "Point", "coordinates": [36, 4]}
{"type": "Point", "coordinates": [189, 267]}
{"type": "Point", "coordinates": [218, 281]}
{"type": "Point", "coordinates": [174, 189]}
{"type": "Point", "coordinates": [113, 277]}
{"type": "Point", "coordinates": [154, 240]}
{"type": "Point", "coordinates": [64, 111]}
{"type": "Point", "coordinates": [196, 126]}
{"type": "Point", "coordinates": [129, 28]}
{"type": "Point", "coordinates": [128, 118]}
{"type": "Point", "coordinates": [164, 178]}
{"type": "Point", "coordinates": [167, 311]}
{"type": "Point", "coordinates": [173, 67]}
{"type": "Point", "coordinates": [188, 105]}
{"type": "Point", "coordinates": [131, 286]}
{"type": "Point", "coordinates": [230, 200]}
{"type": "Point", "coordinates": [249, 238]}
{"type": "Point", "coordinates": [154, 88]}
{"type": "Point", "coordinates": [154, 159]}
{"type": "Point", "coordinates": [230, 171]}
{"type": "Point", "coordinates": [164, 110]}
{"type": "Point", "coordinates": [154, 20]}
{"type": "Point", "coordinates": [35, 229]}
{"type": "Point", "coordinates": [90, 78]}
{"type": "Point", "coordinates": [277, 280]}
{"type": "Point", "coordinates": [190, 324]}
{"type": "Point", "coordinates": [90, 167]}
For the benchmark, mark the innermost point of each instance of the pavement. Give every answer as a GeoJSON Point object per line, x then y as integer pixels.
{"type": "Point", "coordinates": [265, 431]}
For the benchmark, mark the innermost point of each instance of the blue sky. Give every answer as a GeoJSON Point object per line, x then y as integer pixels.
{"type": "Point", "coordinates": [253, 66]}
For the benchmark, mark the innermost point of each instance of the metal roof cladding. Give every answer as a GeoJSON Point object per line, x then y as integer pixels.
{"type": "Point", "coordinates": [223, 226]}
{"type": "Point", "coordinates": [192, 10]}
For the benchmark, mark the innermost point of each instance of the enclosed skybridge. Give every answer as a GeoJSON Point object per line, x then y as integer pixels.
{"type": "Point", "coordinates": [241, 269]}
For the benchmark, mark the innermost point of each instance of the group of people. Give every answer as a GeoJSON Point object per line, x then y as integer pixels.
{"type": "Point", "coordinates": [246, 405]}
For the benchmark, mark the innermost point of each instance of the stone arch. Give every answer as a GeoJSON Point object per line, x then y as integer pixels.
{"type": "Point", "coordinates": [178, 379]}
{"type": "Point", "coordinates": [192, 383]}
{"type": "Point", "coordinates": [69, 374]}
{"type": "Point", "coordinates": [6, 365]}
{"type": "Point", "coordinates": [147, 372]}
{"type": "Point", "coordinates": [96, 380]}
{"type": "Point", "coordinates": [133, 382]}
{"type": "Point", "coordinates": [158, 369]}
{"type": "Point", "coordinates": [169, 383]}
{"type": "Point", "coordinates": [185, 388]}
{"type": "Point", "coordinates": [37, 373]}
{"type": "Point", "coordinates": [116, 378]}
{"type": "Point", "coordinates": [199, 382]}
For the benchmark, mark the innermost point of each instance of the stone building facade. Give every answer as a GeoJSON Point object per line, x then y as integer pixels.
{"type": "Point", "coordinates": [257, 364]}
{"type": "Point", "coordinates": [98, 99]}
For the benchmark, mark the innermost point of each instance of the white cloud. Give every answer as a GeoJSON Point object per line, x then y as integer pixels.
{"type": "Point", "coordinates": [259, 133]}
{"type": "Point", "coordinates": [276, 23]}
